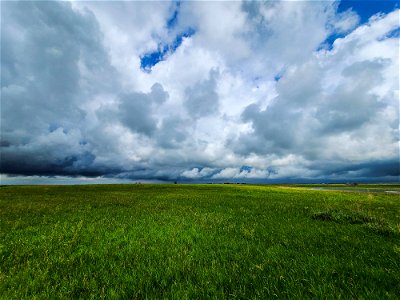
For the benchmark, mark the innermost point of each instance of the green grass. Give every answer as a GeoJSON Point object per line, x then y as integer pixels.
{"type": "Point", "coordinates": [359, 187]}
{"type": "Point", "coordinates": [197, 242]}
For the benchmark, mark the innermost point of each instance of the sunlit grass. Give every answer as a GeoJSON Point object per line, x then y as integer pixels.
{"type": "Point", "coordinates": [197, 241]}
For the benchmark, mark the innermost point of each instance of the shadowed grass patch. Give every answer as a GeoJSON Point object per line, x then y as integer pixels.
{"type": "Point", "coordinates": [384, 229]}
{"type": "Point", "coordinates": [374, 224]}
{"type": "Point", "coordinates": [341, 216]}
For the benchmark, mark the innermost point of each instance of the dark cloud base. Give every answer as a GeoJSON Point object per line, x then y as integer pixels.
{"type": "Point", "coordinates": [377, 171]}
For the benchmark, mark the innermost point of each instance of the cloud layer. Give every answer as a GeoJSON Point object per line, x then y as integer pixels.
{"type": "Point", "coordinates": [231, 91]}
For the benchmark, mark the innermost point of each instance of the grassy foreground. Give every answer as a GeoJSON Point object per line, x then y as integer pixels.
{"type": "Point", "coordinates": [198, 242]}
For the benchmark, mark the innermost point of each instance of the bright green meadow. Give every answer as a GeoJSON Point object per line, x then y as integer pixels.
{"type": "Point", "coordinates": [198, 242]}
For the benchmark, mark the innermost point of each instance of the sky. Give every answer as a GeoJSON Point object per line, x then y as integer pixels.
{"type": "Point", "coordinates": [199, 91]}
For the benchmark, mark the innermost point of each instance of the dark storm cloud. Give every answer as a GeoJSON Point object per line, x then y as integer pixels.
{"type": "Point", "coordinates": [135, 109]}
{"type": "Point", "coordinates": [39, 65]}
{"type": "Point", "coordinates": [173, 132]}
{"type": "Point", "coordinates": [284, 125]}
{"type": "Point", "coordinates": [201, 99]}
{"type": "Point", "coordinates": [161, 174]}
{"type": "Point", "coordinates": [59, 152]}
{"type": "Point", "coordinates": [374, 168]}
{"type": "Point", "coordinates": [351, 105]}
{"type": "Point", "coordinates": [52, 58]}
{"type": "Point", "coordinates": [53, 64]}
{"type": "Point", "coordinates": [18, 163]}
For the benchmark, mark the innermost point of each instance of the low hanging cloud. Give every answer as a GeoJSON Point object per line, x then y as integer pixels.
{"type": "Point", "coordinates": [237, 173]}
{"type": "Point", "coordinates": [236, 99]}
{"type": "Point", "coordinates": [197, 173]}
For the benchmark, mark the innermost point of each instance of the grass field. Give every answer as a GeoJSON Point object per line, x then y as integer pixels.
{"type": "Point", "coordinates": [197, 242]}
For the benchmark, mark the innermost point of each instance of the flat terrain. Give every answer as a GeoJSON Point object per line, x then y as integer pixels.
{"type": "Point", "coordinates": [198, 242]}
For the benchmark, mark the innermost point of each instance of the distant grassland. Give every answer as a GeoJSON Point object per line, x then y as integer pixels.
{"type": "Point", "coordinates": [197, 242]}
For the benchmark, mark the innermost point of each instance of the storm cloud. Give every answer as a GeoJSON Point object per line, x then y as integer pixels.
{"type": "Point", "coordinates": [240, 91]}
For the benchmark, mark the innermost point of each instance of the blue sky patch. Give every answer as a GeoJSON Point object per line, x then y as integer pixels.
{"type": "Point", "coordinates": [278, 76]}
{"type": "Point", "coordinates": [365, 9]}
{"type": "Point", "coordinates": [149, 60]}
{"type": "Point", "coordinates": [245, 168]}
{"type": "Point", "coordinates": [328, 43]}
{"type": "Point", "coordinates": [393, 34]}
{"type": "Point", "coordinates": [172, 21]}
